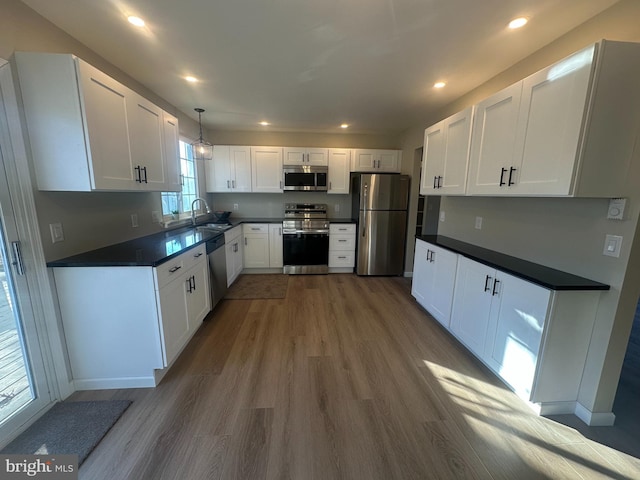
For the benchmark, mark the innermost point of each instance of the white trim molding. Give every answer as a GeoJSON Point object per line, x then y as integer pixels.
{"type": "Point", "coordinates": [594, 419]}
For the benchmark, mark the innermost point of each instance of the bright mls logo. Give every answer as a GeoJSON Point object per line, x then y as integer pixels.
{"type": "Point", "coordinates": [50, 467]}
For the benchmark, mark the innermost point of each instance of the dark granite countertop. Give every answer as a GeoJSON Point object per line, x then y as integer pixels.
{"type": "Point", "coordinates": [540, 275]}
{"type": "Point", "coordinates": [151, 250]}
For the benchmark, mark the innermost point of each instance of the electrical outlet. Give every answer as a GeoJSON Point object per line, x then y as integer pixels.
{"type": "Point", "coordinates": [235, 206]}
{"type": "Point", "coordinates": [478, 223]}
{"type": "Point", "coordinates": [134, 220]}
{"type": "Point", "coordinates": [156, 217]}
{"type": "Point", "coordinates": [57, 234]}
{"type": "Point", "coordinates": [442, 216]}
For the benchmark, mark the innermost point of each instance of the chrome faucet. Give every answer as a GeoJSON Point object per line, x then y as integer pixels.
{"type": "Point", "coordinates": [193, 212]}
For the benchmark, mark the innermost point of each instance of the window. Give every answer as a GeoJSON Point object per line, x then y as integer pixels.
{"type": "Point", "coordinates": [175, 203]}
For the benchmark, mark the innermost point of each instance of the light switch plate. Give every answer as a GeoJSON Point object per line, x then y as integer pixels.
{"type": "Point", "coordinates": [57, 234]}
{"type": "Point", "coordinates": [612, 245]}
{"type": "Point", "coordinates": [442, 216]}
{"type": "Point", "coordinates": [479, 223]}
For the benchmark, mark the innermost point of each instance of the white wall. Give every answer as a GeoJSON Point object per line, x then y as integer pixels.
{"type": "Point", "coordinates": [562, 233]}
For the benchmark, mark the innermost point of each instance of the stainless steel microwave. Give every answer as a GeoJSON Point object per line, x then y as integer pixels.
{"type": "Point", "coordinates": [306, 178]}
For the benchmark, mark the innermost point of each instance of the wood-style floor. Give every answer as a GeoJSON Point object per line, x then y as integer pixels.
{"type": "Point", "coordinates": [345, 378]}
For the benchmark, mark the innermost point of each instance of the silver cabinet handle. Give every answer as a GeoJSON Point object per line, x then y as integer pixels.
{"type": "Point", "coordinates": [233, 183]}
{"type": "Point", "coordinates": [198, 255]}
{"type": "Point", "coordinates": [255, 229]}
{"type": "Point", "coordinates": [342, 258]}
{"type": "Point", "coordinates": [228, 184]}
{"type": "Point", "coordinates": [342, 241]}
{"type": "Point", "coordinates": [17, 258]}
{"type": "Point", "coordinates": [245, 241]}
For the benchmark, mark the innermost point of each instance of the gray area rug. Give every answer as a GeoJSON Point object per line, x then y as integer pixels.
{"type": "Point", "coordinates": [69, 428]}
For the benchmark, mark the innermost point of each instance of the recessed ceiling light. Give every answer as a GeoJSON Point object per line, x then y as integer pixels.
{"type": "Point", "coordinates": [191, 79]}
{"type": "Point", "coordinates": [137, 21]}
{"type": "Point", "coordinates": [344, 125]}
{"type": "Point", "coordinates": [439, 85]}
{"type": "Point", "coordinates": [518, 22]}
{"type": "Point", "coordinates": [264, 124]}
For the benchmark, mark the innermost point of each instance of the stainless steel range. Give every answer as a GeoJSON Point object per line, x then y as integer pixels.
{"type": "Point", "coordinates": [305, 232]}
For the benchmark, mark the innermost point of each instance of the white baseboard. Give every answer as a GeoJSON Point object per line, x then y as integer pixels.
{"type": "Point", "coordinates": [555, 408]}
{"type": "Point", "coordinates": [112, 383]}
{"type": "Point", "coordinates": [408, 274]}
{"type": "Point", "coordinates": [592, 419]}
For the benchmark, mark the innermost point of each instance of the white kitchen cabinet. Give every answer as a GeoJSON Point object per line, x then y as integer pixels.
{"type": "Point", "coordinates": [493, 141]}
{"type": "Point", "coordinates": [86, 130]}
{"type": "Point", "coordinates": [446, 155]}
{"type": "Point", "coordinates": [342, 247]}
{"type": "Point", "coordinates": [434, 275]}
{"type": "Point", "coordinates": [473, 294]}
{"type": "Point", "coordinates": [378, 161]}
{"type": "Point", "coordinates": [234, 253]}
{"type": "Point", "coordinates": [171, 138]}
{"type": "Point", "coordinates": [514, 332]}
{"type": "Point", "coordinates": [306, 156]}
{"type": "Point", "coordinates": [256, 245]}
{"type": "Point", "coordinates": [567, 130]}
{"type": "Point", "coordinates": [266, 169]}
{"type": "Point", "coordinates": [230, 169]}
{"type": "Point", "coordinates": [339, 170]}
{"type": "Point", "coordinates": [275, 245]}
{"type": "Point", "coordinates": [125, 325]}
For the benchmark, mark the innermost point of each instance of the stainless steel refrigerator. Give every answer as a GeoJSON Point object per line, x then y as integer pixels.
{"type": "Point", "coordinates": [379, 202]}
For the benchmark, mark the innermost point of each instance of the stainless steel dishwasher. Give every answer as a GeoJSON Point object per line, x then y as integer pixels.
{"type": "Point", "coordinates": [217, 268]}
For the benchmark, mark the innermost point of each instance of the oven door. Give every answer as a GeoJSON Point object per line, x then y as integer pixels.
{"type": "Point", "coordinates": [306, 252]}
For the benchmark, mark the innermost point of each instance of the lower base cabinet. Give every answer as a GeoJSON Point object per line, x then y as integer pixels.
{"type": "Point", "coordinates": [342, 247]}
{"type": "Point", "coordinates": [234, 253]}
{"type": "Point", "coordinates": [535, 339]}
{"type": "Point", "coordinates": [125, 325]}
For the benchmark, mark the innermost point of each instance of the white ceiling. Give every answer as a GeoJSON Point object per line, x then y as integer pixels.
{"type": "Point", "coordinates": [310, 65]}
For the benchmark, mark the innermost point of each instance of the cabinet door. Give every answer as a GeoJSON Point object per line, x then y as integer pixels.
{"type": "Point", "coordinates": [388, 161]}
{"type": "Point", "coordinates": [294, 156]}
{"type": "Point", "coordinates": [230, 250]}
{"type": "Point", "coordinates": [239, 256]}
{"type": "Point", "coordinates": [173, 318]}
{"type": "Point", "coordinates": [472, 304]}
{"type": "Point", "coordinates": [105, 108]}
{"type": "Point", "coordinates": [456, 155]}
{"type": "Point", "coordinates": [147, 147]}
{"type": "Point", "coordinates": [256, 250]}
{"type": "Point", "coordinates": [218, 170]}
{"type": "Point", "coordinates": [171, 135]}
{"type": "Point", "coordinates": [441, 282]}
{"type": "Point", "coordinates": [266, 169]}
{"type": "Point", "coordinates": [318, 156]}
{"type": "Point", "coordinates": [240, 163]}
{"type": "Point", "coordinates": [432, 159]}
{"type": "Point", "coordinates": [275, 245]}
{"type": "Point", "coordinates": [518, 317]}
{"type": "Point", "coordinates": [363, 161]}
{"type": "Point", "coordinates": [551, 119]}
{"type": "Point", "coordinates": [420, 281]}
{"type": "Point", "coordinates": [493, 142]}
{"type": "Point", "coordinates": [198, 295]}
{"type": "Point", "coordinates": [339, 169]}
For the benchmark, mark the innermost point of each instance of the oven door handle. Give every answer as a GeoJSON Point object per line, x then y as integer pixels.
{"type": "Point", "coordinates": [286, 231]}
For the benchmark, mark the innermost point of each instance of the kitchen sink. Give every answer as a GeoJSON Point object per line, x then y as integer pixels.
{"type": "Point", "coordinates": [214, 227]}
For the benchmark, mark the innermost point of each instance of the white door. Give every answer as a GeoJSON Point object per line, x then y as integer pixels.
{"type": "Point", "coordinates": [421, 273]}
{"type": "Point", "coordinates": [442, 280]}
{"type": "Point", "coordinates": [23, 385]}
{"type": "Point", "coordinates": [240, 163]}
{"type": "Point", "coordinates": [456, 155]}
{"type": "Point", "coordinates": [339, 169]}
{"type": "Point", "coordinates": [256, 250]}
{"type": "Point", "coordinates": [266, 169]}
{"type": "Point", "coordinates": [171, 137]}
{"type": "Point", "coordinates": [275, 246]}
{"type": "Point", "coordinates": [433, 159]}
{"type": "Point", "coordinates": [147, 148]}
{"type": "Point", "coordinates": [493, 142]}
{"type": "Point", "coordinates": [388, 161]}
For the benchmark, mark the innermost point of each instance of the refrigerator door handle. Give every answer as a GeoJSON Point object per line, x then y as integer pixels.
{"type": "Point", "coordinates": [364, 225]}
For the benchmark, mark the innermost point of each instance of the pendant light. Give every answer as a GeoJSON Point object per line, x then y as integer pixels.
{"type": "Point", "coordinates": [201, 150]}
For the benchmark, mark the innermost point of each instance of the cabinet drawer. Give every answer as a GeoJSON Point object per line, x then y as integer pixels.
{"type": "Point", "coordinates": [342, 228]}
{"type": "Point", "coordinates": [229, 235]}
{"type": "Point", "coordinates": [342, 242]}
{"type": "Point", "coordinates": [255, 228]}
{"type": "Point", "coordinates": [342, 259]}
{"type": "Point", "coordinates": [175, 267]}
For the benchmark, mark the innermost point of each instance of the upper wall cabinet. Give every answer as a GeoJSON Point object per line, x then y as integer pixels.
{"type": "Point", "coordinates": [88, 132]}
{"type": "Point", "coordinates": [339, 167]}
{"type": "Point", "coordinates": [230, 169]}
{"type": "Point", "coordinates": [568, 130]}
{"type": "Point", "coordinates": [306, 156]}
{"type": "Point", "coordinates": [266, 169]}
{"type": "Point", "coordinates": [378, 161]}
{"type": "Point", "coordinates": [446, 155]}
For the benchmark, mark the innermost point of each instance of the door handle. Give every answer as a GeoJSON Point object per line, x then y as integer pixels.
{"type": "Point", "coordinates": [439, 181]}
{"type": "Point", "coordinates": [245, 241]}
{"type": "Point", "coordinates": [175, 269]}
{"type": "Point", "coordinates": [138, 175]}
{"type": "Point", "coordinates": [496, 282]}
{"type": "Point", "coordinates": [435, 182]}
{"type": "Point", "coordinates": [502, 172]}
{"type": "Point", "coordinates": [511, 170]}
{"type": "Point", "coordinates": [145, 175]}
{"type": "Point", "coordinates": [233, 183]}
{"type": "Point", "coordinates": [228, 184]}
{"type": "Point", "coordinates": [17, 258]}
{"type": "Point", "coordinates": [487, 282]}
